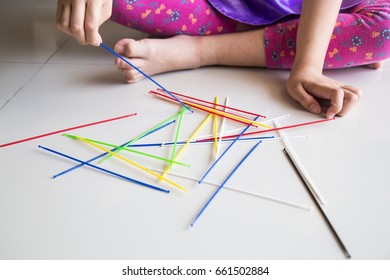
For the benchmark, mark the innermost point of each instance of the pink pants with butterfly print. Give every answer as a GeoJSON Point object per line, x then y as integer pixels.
{"type": "Point", "coordinates": [361, 35]}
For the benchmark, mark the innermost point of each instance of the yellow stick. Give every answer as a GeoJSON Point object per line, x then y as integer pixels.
{"type": "Point", "coordinates": [221, 113]}
{"type": "Point", "coordinates": [132, 163]}
{"type": "Point", "coordinates": [188, 141]}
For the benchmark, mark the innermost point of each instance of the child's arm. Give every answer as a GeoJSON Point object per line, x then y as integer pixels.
{"type": "Point", "coordinates": [306, 84]}
{"type": "Point", "coordinates": [82, 18]}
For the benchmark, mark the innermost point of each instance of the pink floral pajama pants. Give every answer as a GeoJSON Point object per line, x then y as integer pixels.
{"type": "Point", "coordinates": [361, 34]}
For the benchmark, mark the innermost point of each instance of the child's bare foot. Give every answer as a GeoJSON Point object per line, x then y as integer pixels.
{"type": "Point", "coordinates": [154, 56]}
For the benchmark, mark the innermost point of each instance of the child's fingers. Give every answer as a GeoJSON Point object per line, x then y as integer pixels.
{"type": "Point", "coordinates": [82, 18]}
{"type": "Point", "coordinates": [60, 7]}
{"type": "Point", "coordinates": [77, 22]}
{"type": "Point", "coordinates": [91, 25]}
{"type": "Point", "coordinates": [336, 102]}
{"type": "Point", "coordinates": [351, 97]}
{"type": "Point", "coordinates": [354, 90]}
{"type": "Point", "coordinates": [298, 93]}
{"type": "Point", "coordinates": [336, 98]}
{"type": "Point", "coordinates": [327, 90]}
{"type": "Point", "coordinates": [63, 17]}
{"type": "Point", "coordinates": [340, 99]}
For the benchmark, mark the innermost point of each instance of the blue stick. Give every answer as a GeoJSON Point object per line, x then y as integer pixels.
{"type": "Point", "coordinates": [146, 76]}
{"type": "Point", "coordinates": [161, 127]}
{"type": "Point", "coordinates": [224, 152]}
{"type": "Point", "coordinates": [105, 154]}
{"type": "Point", "coordinates": [105, 170]}
{"type": "Point", "coordinates": [223, 184]}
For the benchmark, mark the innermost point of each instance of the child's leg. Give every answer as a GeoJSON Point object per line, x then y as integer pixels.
{"type": "Point", "coordinates": [360, 37]}
{"type": "Point", "coordinates": [175, 17]}
{"type": "Point", "coordinates": [248, 48]}
{"type": "Point", "coordinates": [156, 56]}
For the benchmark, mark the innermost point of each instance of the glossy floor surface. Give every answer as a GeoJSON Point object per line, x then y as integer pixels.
{"type": "Point", "coordinates": [48, 82]}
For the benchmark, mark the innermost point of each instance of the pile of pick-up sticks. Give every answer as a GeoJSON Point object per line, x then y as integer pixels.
{"type": "Point", "coordinates": [215, 111]}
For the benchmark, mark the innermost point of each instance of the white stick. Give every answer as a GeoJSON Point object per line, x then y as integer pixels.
{"type": "Point", "coordinates": [222, 127]}
{"type": "Point", "coordinates": [240, 140]}
{"type": "Point", "coordinates": [232, 130]}
{"type": "Point", "coordinates": [238, 190]}
{"type": "Point", "coordinates": [302, 171]}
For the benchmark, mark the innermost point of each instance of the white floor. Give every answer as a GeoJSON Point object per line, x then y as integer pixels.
{"type": "Point", "coordinates": [48, 82]}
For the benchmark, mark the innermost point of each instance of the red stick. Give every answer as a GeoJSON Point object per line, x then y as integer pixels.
{"type": "Point", "coordinates": [271, 129]}
{"type": "Point", "coordinates": [188, 102]}
{"type": "Point", "coordinates": [219, 105]}
{"type": "Point", "coordinates": [203, 109]}
{"type": "Point", "coordinates": [64, 130]}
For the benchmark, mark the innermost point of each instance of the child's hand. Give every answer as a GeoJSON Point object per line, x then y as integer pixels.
{"type": "Point", "coordinates": [313, 91]}
{"type": "Point", "coordinates": [82, 18]}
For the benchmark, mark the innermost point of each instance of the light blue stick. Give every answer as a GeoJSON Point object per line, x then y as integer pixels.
{"type": "Point", "coordinates": [223, 184]}
{"type": "Point", "coordinates": [225, 151]}
{"type": "Point", "coordinates": [166, 144]}
{"type": "Point", "coordinates": [105, 170]}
